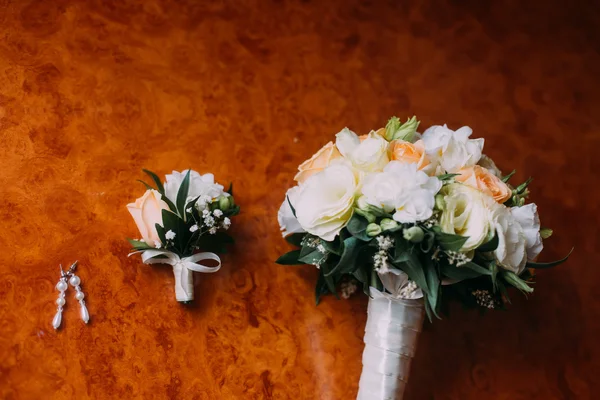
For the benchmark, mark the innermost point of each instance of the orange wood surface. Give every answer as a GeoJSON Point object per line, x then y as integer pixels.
{"type": "Point", "coordinates": [91, 92]}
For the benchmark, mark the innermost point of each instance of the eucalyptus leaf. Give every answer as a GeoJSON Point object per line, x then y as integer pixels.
{"type": "Point", "coordinates": [295, 238]}
{"type": "Point", "coordinates": [290, 258]}
{"type": "Point", "coordinates": [347, 263]}
{"type": "Point", "coordinates": [490, 245]}
{"type": "Point", "coordinates": [313, 258]}
{"type": "Point", "coordinates": [357, 226]}
{"type": "Point", "coordinates": [446, 177]}
{"type": "Point", "coordinates": [148, 187]}
{"type": "Point", "coordinates": [477, 268]}
{"type": "Point", "coordinates": [450, 242]}
{"type": "Point", "coordinates": [182, 193]}
{"type": "Point", "coordinates": [537, 265]}
{"type": "Point", "coordinates": [157, 181]}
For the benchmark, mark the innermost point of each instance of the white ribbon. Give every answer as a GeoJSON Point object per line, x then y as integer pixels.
{"type": "Point", "coordinates": [391, 335]}
{"type": "Point", "coordinates": [182, 268]}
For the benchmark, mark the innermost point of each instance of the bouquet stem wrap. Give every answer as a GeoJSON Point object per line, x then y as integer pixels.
{"type": "Point", "coordinates": [391, 335]}
{"type": "Point", "coordinates": [183, 269]}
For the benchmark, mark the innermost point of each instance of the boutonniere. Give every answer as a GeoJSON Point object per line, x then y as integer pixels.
{"type": "Point", "coordinates": [182, 223]}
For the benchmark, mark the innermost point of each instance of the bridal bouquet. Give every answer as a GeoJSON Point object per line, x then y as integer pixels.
{"type": "Point", "coordinates": [416, 220]}
{"type": "Point", "coordinates": [177, 220]}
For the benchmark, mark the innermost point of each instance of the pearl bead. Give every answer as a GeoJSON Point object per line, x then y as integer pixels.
{"type": "Point", "coordinates": [60, 301]}
{"type": "Point", "coordinates": [61, 286]}
{"type": "Point", "coordinates": [74, 281]}
{"type": "Point", "coordinates": [79, 296]}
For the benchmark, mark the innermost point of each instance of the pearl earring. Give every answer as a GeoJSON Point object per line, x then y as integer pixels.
{"type": "Point", "coordinates": [75, 282]}
{"type": "Point", "coordinates": [61, 286]}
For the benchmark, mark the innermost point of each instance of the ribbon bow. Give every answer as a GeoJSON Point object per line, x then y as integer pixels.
{"type": "Point", "coordinates": [182, 268]}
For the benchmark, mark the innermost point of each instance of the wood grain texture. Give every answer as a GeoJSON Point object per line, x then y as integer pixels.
{"type": "Point", "coordinates": [91, 92]}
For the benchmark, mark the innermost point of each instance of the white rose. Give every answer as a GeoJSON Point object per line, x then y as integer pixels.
{"type": "Point", "coordinates": [465, 214]}
{"type": "Point", "coordinates": [325, 201]}
{"type": "Point", "coordinates": [199, 185]}
{"type": "Point", "coordinates": [287, 222]}
{"type": "Point", "coordinates": [511, 253]}
{"type": "Point", "coordinates": [452, 150]}
{"type": "Point", "coordinates": [527, 216]}
{"type": "Point", "coordinates": [403, 188]}
{"type": "Point", "coordinates": [369, 155]}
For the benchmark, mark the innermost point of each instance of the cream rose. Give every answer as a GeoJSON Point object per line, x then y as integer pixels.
{"type": "Point", "coordinates": [317, 162]}
{"type": "Point", "coordinates": [511, 252]}
{"type": "Point", "coordinates": [147, 212]}
{"type": "Point", "coordinates": [287, 221]}
{"type": "Point", "coordinates": [527, 216]}
{"type": "Point", "coordinates": [200, 185]}
{"type": "Point", "coordinates": [324, 203]}
{"type": "Point", "coordinates": [465, 214]}
{"type": "Point", "coordinates": [452, 150]}
{"type": "Point", "coordinates": [369, 155]}
{"type": "Point", "coordinates": [480, 178]}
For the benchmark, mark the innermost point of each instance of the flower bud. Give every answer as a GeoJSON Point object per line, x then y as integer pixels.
{"type": "Point", "coordinates": [440, 203]}
{"type": "Point", "coordinates": [395, 130]}
{"type": "Point", "coordinates": [362, 204]}
{"type": "Point", "coordinates": [387, 224]}
{"type": "Point", "coordinates": [225, 203]}
{"type": "Point", "coordinates": [413, 234]}
{"type": "Point", "coordinates": [373, 230]}
{"type": "Point", "coordinates": [368, 216]}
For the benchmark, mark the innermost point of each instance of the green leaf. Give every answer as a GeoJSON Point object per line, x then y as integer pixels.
{"type": "Point", "coordinates": [329, 280]}
{"type": "Point", "coordinates": [414, 270]}
{"type": "Point", "coordinates": [335, 246]}
{"type": "Point", "coordinates": [347, 263]}
{"type": "Point", "coordinates": [183, 193]}
{"type": "Point", "coordinates": [446, 177]}
{"type": "Point", "coordinates": [191, 204]}
{"type": "Point", "coordinates": [357, 226]}
{"type": "Point", "coordinates": [427, 243]}
{"type": "Point", "coordinates": [314, 257]}
{"type": "Point", "coordinates": [494, 275]}
{"type": "Point", "coordinates": [230, 189]}
{"type": "Point", "coordinates": [295, 238]}
{"type": "Point", "coordinates": [507, 177]}
{"type": "Point", "coordinates": [512, 279]}
{"type": "Point", "coordinates": [138, 244]}
{"type": "Point", "coordinates": [173, 222]}
{"type": "Point", "coordinates": [321, 289]}
{"type": "Point", "coordinates": [490, 245]}
{"type": "Point", "coordinates": [291, 206]}
{"type": "Point", "coordinates": [290, 258]}
{"type": "Point", "coordinates": [460, 273]}
{"type": "Point", "coordinates": [477, 268]}
{"type": "Point", "coordinates": [536, 265]}
{"type": "Point", "coordinates": [450, 242]}
{"type": "Point", "coordinates": [148, 187]}
{"type": "Point", "coordinates": [156, 179]}
{"type": "Point", "coordinates": [403, 249]}
{"type": "Point", "coordinates": [433, 283]}
{"type": "Point", "coordinates": [161, 233]}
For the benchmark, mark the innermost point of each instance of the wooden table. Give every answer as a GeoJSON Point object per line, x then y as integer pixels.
{"type": "Point", "coordinates": [92, 92]}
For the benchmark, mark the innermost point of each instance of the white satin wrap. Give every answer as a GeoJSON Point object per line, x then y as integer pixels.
{"type": "Point", "coordinates": [182, 269]}
{"type": "Point", "coordinates": [391, 335]}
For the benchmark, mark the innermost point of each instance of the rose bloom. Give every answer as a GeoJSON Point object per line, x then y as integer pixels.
{"type": "Point", "coordinates": [483, 180]}
{"type": "Point", "coordinates": [465, 214]}
{"type": "Point", "coordinates": [368, 154]}
{"type": "Point", "coordinates": [147, 212]}
{"type": "Point", "coordinates": [317, 162]}
{"type": "Point", "coordinates": [324, 203]}
{"type": "Point", "coordinates": [511, 253]}
{"type": "Point", "coordinates": [409, 153]}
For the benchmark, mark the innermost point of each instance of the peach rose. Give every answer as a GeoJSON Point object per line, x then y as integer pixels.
{"type": "Point", "coordinates": [147, 212]}
{"type": "Point", "coordinates": [483, 180]}
{"type": "Point", "coordinates": [409, 153]}
{"type": "Point", "coordinates": [317, 162]}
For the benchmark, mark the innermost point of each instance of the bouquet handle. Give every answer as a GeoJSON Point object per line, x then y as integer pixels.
{"type": "Point", "coordinates": [391, 335]}
{"type": "Point", "coordinates": [184, 283]}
